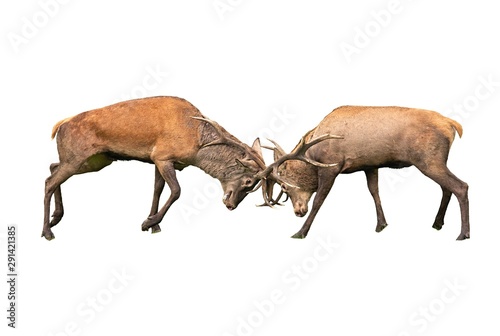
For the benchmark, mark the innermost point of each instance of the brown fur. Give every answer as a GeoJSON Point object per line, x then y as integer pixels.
{"type": "Point", "coordinates": [377, 137]}
{"type": "Point", "coordinates": [55, 129]}
{"type": "Point", "coordinates": [159, 130]}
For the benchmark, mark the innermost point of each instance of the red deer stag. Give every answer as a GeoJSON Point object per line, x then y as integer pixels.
{"type": "Point", "coordinates": [373, 137]}
{"type": "Point", "coordinates": [166, 131]}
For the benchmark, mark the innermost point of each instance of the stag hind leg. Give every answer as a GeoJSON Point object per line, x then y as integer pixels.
{"type": "Point", "coordinates": [53, 183]}
{"type": "Point", "coordinates": [372, 181]}
{"type": "Point", "coordinates": [450, 184]}
{"type": "Point", "coordinates": [326, 178]}
{"type": "Point", "coordinates": [439, 221]}
{"type": "Point", "coordinates": [158, 189]}
{"type": "Point", "coordinates": [60, 172]}
{"type": "Point", "coordinates": [59, 208]}
{"type": "Point", "coordinates": [167, 171]}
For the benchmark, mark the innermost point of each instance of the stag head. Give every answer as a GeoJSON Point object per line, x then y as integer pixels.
{"type": "Point", "coordinates": [295, 173]}
{"type": "Point", "coordinates": [241, 182]}
{"type": "Point", "coordinates": [242, 172]}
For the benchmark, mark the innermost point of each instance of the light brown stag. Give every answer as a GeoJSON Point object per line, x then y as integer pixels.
{"type": "Point", "coordinates": [167, 131]}
{"type": "Point", "coordinates": [373, 138]}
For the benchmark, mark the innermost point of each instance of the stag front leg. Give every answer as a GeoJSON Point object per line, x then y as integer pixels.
{"type": "Point", "coordinates": [326, 177]}
{"type": "Point", "coordinates": [158, 189]}
{"type": "Point", "coordinates": [167, 171]}
{"type": "Point", "coordinates": [372, 181]}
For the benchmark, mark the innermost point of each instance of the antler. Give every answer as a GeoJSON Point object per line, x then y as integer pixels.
{"type": "Point", "coordinates": [299, 154]}
{"type": "Point", "coordinates": [224, 139]}
{"type": "Point", "coordinates": [278, 151]}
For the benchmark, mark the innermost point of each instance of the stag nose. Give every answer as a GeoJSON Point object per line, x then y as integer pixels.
{"type": "Point", "coordinates": [300, 210]}
{"type": "Point", "coordinates": [227, 203]}
{"type": "Point", "coordinates": [300, 213]}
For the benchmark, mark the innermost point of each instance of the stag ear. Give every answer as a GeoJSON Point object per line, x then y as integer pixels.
{"type": "Point", "coordinates": [245, 163]}
{"type": "Point", "coordinates": [257, 147]}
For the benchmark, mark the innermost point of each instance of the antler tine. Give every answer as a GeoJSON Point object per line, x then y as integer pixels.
{"type": "Point", "coordinates": [255, 188]}
{"type": "Point", "coordinates": [303, 146]}
{"type": "Point", "coordinates": [281, 151]}
{"type": "Point", "coordinates": [211, 122]}
{"type": "Point", "coordinates": [224, 139]}
{"type": "Point", "coordinates": [299, 154]}
{"type": "Point", "coordinates": [277, 201]}
{"type": "Point", "coordinates": [265, 195]}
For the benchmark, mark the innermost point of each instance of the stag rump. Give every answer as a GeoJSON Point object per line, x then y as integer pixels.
{"type": "Point", "coordinates": [167, 131]}
{"type": "Point", "coordinates": [373, 138]}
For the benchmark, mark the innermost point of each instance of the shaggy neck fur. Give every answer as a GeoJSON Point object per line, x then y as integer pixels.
{"type": "Point", "coordinates": [219, 160]}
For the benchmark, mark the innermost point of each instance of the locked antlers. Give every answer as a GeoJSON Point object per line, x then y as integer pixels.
{"type": "Point", "coordinates": [298, 153]}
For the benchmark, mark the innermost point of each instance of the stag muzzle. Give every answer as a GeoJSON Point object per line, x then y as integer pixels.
{"type": "Point", "coordinates": [228, 202]}
{"type": "Point", "coordinates": [300, 209]}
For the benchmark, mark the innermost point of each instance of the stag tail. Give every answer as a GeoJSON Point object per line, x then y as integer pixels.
{"type": "Point", "coordinates": [456, 125]}
{"type": "Point", "coordinates": [56, 126]}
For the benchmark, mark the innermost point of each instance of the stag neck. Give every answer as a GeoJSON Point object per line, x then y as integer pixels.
{"type": "Point", "coordinates": [221, 154]}
{"type": "Point", "coordinates": [219, 161]}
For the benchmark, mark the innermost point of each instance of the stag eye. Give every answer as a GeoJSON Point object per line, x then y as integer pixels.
{"type": "Point", "coordinates": [284, 187]}
{"type": "Point", "coordinates": [248, 182]}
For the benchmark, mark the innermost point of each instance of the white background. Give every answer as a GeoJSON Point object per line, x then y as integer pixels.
{"type": "Point", "coordinates": [260, 68]}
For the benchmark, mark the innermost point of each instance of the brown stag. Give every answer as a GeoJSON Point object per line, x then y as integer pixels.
{"type": "Point", "coordinates": [167, 131]}
{"type": "Point", "coordinates": [373, 138]}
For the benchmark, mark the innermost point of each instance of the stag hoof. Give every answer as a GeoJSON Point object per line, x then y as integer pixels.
{"type": "Point", "coordinates": [155, 228]}
{"type": "Point", "coordinates": [380, 227]}
{"type": "Point", "coordinates": [47, 234]}
{"type": "Point", "coordinates": [148, 223]}
{"type": "Point", "coordinates": [464, 236]}
{"type": "Point", "coordinates": [56, 218]}
{"type": "Point", "coordinates": [438, 226]}
{"type": "Point", "coordinates": [299, 235]}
